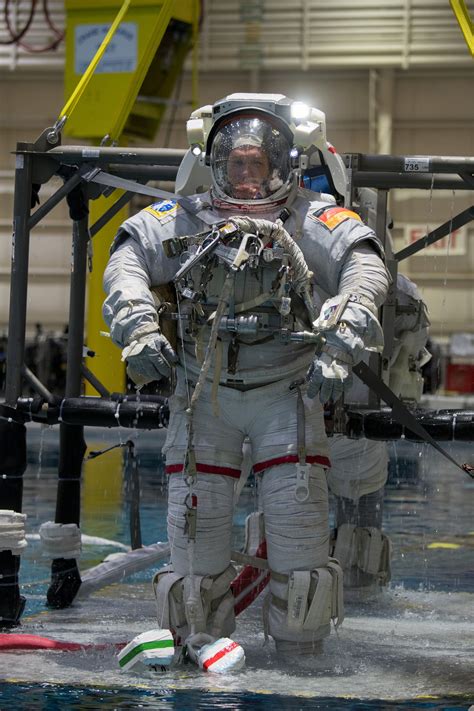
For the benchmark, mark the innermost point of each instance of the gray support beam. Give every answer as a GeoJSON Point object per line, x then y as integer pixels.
{"type": "Point", "coordinates": [77, 303]}
{"type": "Point", "coordinates": [108, 214]}
{"type": "Point", "coordinates": [381, 220]}
{"type": "Point", "coordinates": [389, 312]}
{"type": "Point", "coordinates": [55, 199]}
{"type": "Point", "coordinates": [102, 156]}
{"type": "Point", "coordinates": [65, 579]}
{"type": "Point", "coordinates": [37, 385]}
{"type": "Point", "coordinates": [381, 230]}
{"type": "Point", "coordinates": [12, 430]}
{"type": "Point", "coordinates": [19, 277]}
{"type": "Point", "coordinates": [424, 172]}
{"type": "Point", "coordinates": [446, 228]}
{"type": "Point", "coordinates": [426, 181]}
{"type": "Point", "coordinates": [375, 361]}
{"type": "Point", "coordinates": [389, 308]}
{"type": "Point", "coordinates": [94, 381]}
{"type": "Point", "coordinates": [144, 173]}
{"type": "Point", "coordinates": [416, 164]}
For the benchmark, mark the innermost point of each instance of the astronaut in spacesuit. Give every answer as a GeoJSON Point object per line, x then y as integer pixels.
{"type": "Point", "coordinates": [253, 357]}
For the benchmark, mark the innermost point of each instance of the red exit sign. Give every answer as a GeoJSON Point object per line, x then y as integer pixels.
{"type": "Point", "coordinates": [451, 245]}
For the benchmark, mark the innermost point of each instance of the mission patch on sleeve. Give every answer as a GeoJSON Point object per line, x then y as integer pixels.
{"type": "Point", "coordinates": [333, 216]}
{"type": "Point", "coordinates": [163, 210]}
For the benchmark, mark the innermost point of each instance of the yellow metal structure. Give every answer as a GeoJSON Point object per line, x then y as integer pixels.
{"type": "Point", "coordinates": [122, 61]}
{"type": "Point", "coordinates": [102, 493]}
{"type": "Point", "coordinates": [106, 364]}
{"type": "Point", "coordinates": [465, 23]}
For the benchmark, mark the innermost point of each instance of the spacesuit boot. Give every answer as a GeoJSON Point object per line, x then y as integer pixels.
{"type": "Point", "coordinates": [193, 595]}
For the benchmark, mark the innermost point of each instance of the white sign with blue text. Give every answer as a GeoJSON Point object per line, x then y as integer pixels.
{"type": "Point", "coordinates": [120, 56]}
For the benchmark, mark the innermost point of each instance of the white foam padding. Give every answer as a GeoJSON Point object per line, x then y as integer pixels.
{"type": "Point", "coordinates": [60, 540]}
{"type": "Point", "coordinates": [12, 531]}
{"type": "Point", "coordinates": [118, 566]}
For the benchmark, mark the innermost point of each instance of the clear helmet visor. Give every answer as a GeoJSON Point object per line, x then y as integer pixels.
{"type": "Point", "coordinates": [250, 159]}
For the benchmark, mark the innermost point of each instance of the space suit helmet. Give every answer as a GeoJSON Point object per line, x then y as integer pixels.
{"type": "Point", "coordinates": [249, 157]}
{"type": "Point", "coordinates": [256, 147]}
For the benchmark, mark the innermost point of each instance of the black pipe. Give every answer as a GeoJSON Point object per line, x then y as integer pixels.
{"type": "Point", "coordinates": [151, 412]}
{"type": "Point", "coordinates": [442, 425]}
{"type": "Point", "coordinates": [144, 414]}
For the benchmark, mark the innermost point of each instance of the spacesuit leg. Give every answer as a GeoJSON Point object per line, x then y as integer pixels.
{"type": "Point", "coordinates": [193, 594]}
{"type": "Point", "coordinates": [357, 478]}
{"type": "Point", "coordinates": [305, 585]}
{"type": "Point", "coordinates": [361, 546]}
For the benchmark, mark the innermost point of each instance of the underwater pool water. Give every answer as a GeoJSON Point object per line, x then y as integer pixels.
{"type": "Point", "coordinates": [51, 698]}
{"type": "Point", "coordinates": [427, 514]}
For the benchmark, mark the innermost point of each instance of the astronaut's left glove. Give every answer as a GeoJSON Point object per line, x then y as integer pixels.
{"type": "Point", "coordinates": [330, 373]}
{"type": "Point", "coordinates": [342, 320]}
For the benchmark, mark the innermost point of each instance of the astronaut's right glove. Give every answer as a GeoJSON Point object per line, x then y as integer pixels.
{"type": "Point", "coordinates": [149, 357]}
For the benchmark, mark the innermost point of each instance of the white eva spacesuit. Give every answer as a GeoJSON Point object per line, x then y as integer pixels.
{"type": "Point", "coordinates": [250, 359]}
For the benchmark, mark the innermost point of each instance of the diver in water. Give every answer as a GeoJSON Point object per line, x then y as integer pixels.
{"type": "Point", "coordinates": [254, 359]}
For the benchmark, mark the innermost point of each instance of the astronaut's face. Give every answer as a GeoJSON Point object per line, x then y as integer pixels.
{"type": "Point", "coordinates": [248, 170]}
{"type": "Point", "coordinates": [249, 159]}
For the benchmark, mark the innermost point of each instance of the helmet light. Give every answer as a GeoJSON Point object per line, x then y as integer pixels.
{"type": "Point", "coordinates": [195, 132]}
{"type": "Point", "coordinates": [299, 110]}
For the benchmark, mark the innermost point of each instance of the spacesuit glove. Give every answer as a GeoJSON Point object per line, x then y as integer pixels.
{"type": "Point", "coordinates": [328, 376]}
{"type": "Point", "coordinates": [149, 357]}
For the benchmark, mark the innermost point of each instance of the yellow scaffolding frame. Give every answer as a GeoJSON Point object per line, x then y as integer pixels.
{"type": "Point", "coordinates": [465, 23]}
{"type": "Point", "coordinates": [100, 105]}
